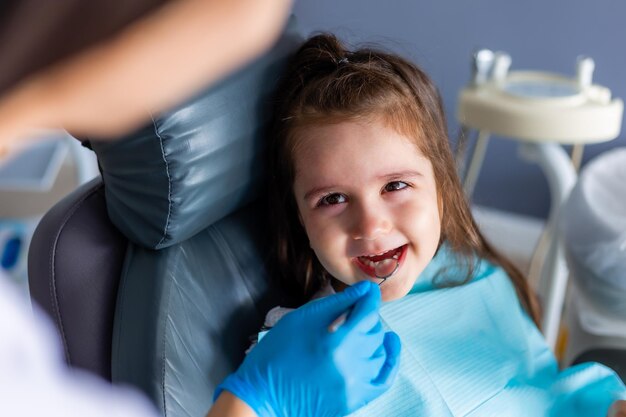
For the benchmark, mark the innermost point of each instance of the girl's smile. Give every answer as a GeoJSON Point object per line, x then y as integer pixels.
{"type": "Point", "coordinates": [368, 201]}
{"type": "Point", "coordinates": [383, 265]}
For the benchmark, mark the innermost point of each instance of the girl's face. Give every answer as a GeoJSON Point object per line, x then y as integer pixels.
{"type": "Point", "coordinates": [362, 190]}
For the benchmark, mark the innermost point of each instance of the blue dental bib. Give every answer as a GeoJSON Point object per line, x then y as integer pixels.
{"type": "Point", "coordinates": [471, 350]}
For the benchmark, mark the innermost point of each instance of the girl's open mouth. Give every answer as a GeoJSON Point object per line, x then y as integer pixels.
{"type": "Point", "coordinates": [382, 265]}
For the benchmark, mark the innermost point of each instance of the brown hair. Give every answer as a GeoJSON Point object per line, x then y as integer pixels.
{"type": "Point", "coordinates": [325, 83]}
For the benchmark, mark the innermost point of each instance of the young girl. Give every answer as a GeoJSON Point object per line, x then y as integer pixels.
{"type": "Point", "coordinates": [363, 187]}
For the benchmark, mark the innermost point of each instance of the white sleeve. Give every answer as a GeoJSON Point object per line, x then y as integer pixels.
{"type": "Point", "coordinates": [34, 380]}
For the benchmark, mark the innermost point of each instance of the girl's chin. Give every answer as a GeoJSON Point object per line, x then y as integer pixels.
{"type": "Point", "coordinates": [393, 292]}
{"type": "Point", "coordinates": [393, 288]}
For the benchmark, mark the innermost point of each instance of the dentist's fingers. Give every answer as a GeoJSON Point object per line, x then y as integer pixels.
{"type": "Point", "coordinates": [378, 327]}
{"type": "Point", "coordinates": [330, 308]}
{"type": "Point", "coordinates": [369, 345]}
{"type": "Point", "coordinates": [391, 366]}
{"type": "Point", "coordinates": [364, 315]}
{"type": "Point", "coordinates": [380, 350]}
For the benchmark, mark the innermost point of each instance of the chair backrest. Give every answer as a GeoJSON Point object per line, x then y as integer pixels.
{"type": "Point", "coordinates": [74, 267]}
{"type": "Point", "coordinates": [185, 313]}
{"type": "Point", "coordinates": [190, 284]}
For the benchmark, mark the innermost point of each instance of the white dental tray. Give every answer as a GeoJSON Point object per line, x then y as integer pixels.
{"type": "Point", "coordinates": [542, 106]}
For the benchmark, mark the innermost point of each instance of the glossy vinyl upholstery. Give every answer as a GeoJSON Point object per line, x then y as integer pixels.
{"type": "Point", "coordinates": [197, 163]}
{"type": "Point", "coordinates": [185, 313]}
{"type": "Point", "coordinates": [166, 294]}
{"type": "Point", "coordinates": [74, 267]}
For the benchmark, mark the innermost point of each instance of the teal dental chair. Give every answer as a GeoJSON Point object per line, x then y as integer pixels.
{"type": "Point", "coordinates": [155, 274]}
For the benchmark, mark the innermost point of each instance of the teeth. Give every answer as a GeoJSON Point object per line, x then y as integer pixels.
{"type": "Point", "coordinates": [395, 255]}
{"type": "Point", "coordinates": [378, 254]}
{"type": "Point", "coordinates": [368, 262]}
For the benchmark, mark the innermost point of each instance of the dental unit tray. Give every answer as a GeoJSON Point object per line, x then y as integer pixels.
{"type": "Point", "coordinates": [539, 106]}
{"type": "Point", "coordinates": [541, 110]}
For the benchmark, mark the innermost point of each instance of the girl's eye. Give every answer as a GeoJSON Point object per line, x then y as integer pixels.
{"type": "Point", "coordinates": [396, 186]}
{"type": "Point", "coordinates": [332, 199]}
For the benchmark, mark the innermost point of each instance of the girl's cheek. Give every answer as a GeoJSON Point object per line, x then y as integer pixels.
{"type": "Point", "coordinates": [322, 227]}
{"type": "Point", "coordinates": [323, 218]}
{"type": "Point", "coordinates": [330, 211]}
{"type": "Point", "coordinates": [317, 226]}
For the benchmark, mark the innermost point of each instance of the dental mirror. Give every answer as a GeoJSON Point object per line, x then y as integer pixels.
{"type": "Point", "coordinates": [386, 268]}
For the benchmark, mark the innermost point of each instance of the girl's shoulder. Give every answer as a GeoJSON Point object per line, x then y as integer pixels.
{"type": "Point", "coordinates": [275, 314]}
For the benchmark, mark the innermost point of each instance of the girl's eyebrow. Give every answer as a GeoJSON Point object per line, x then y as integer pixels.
{"type": "Point", "coordinates": [400, 175]}
{"type": "Point", "coordinates": [318, 190]}
{"type": "Point", "coordinates": [387, 177]}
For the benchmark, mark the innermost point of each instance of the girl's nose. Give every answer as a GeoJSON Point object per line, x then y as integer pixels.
{"type": "Point", "coordinates": [369, 223]}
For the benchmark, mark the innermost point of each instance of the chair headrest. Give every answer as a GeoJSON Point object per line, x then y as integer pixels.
{"type": "Point", "coordinates": [197, 163]}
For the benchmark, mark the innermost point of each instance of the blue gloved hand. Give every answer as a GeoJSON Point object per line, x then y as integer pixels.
{"type": "Point", "coordinates": [301, 368]}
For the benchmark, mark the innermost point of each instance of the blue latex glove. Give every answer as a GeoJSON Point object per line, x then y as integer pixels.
{"type": "Point", "coordinates": [300, 368]}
